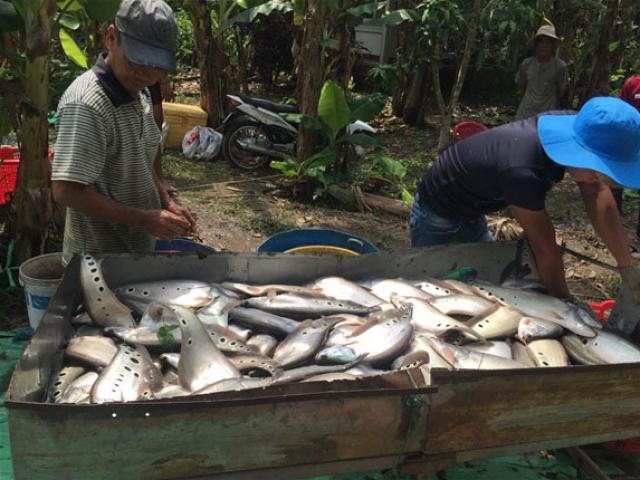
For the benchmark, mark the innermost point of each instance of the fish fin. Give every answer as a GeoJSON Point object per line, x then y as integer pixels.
{"type": "Point", "coordinates": [271, 292]}
{"type": "Point", "coordinates": [362, 328]}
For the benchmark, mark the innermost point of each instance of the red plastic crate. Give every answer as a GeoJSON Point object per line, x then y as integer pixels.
{"type": "Point", "coordinates": [9, 162]}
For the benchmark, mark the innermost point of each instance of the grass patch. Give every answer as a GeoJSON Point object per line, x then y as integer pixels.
{"type": "Point", "coordinates": [182, 172]}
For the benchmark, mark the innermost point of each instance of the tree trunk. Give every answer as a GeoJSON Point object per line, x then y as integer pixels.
{"type": "Point", "coordinates": [33, 202]}
{"type": "Point", "coordinates": [469, 46]}
{"type": "Point", "coordinates": [242, 60]}
{"type": "Point", "coordinates": [413, 108]}
{"type": "Point", "coordinates": [343, 59]}
{"type": "Point", "coordinates": [310, 72]}
{"type": "Point", "coordinates": [212, 60]}
{"type": "Point", "coordinates": [406, 43]}
{"type": "Point", "coordinates": [598, 77]}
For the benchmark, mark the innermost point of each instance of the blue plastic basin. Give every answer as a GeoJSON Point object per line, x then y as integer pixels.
{"type": "Point", "coordinates": [182, 245]}
{"type": "Point", "coordinates": [283, 241]}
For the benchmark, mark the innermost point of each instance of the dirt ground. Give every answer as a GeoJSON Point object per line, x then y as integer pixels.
{"type": "Point", "coordinates": [238, 211]}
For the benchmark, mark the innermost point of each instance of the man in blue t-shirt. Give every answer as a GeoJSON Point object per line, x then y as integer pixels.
{"type": "Point", "coordinates": [516, 164]}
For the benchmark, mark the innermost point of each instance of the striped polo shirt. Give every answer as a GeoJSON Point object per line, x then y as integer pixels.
{"type": "Point", "coordinates": [108, 140]}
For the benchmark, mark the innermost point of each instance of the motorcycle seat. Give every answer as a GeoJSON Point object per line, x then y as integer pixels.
{"type": "Point", "coordinates": [272, 106]}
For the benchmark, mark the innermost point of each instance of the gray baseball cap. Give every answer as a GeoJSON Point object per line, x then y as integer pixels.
{"type": "Point", "coordinates": [148, 32]}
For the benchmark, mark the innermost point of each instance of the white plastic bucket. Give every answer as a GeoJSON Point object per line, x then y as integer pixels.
{"type": "Point", "coordinates": [40, 277]}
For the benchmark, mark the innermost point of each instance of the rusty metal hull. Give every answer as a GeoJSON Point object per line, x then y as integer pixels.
{"type": "Point", "coordinates": [299, 430]}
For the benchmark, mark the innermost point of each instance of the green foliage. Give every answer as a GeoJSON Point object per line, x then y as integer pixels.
{"type": "Point", "coordinates": [10, 19]}
{"type": "Point", "coordinates": [165, 336]}
{"type": "Point", "coordinates": [102, 10]}
{"type": "Point", "coordinates": [5, 120]}
{"type": "Point", "coordinates": [335, 113]}
{"type": "Point", "coordinates": [185, 55]}
{"type": "Point", "coordinates": [367, 107]}
{"type": "Point", "coordinates": [384, 78]}
{"type": "Point", "coordinates": [332, 107]}
{"type": "Point", "coordinates": [250, 14]}
{"type": "Point", "coordinates": [71, 49]}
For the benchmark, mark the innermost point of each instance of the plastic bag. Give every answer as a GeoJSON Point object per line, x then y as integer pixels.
{"type": "Point", "coordinates": [201, 143]}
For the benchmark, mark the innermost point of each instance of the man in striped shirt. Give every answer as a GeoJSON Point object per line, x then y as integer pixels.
{"type": "Point", "coordinates": [107, 140]}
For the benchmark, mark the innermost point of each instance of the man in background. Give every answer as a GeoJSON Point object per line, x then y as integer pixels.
{"type": "Point", "coordinates": [542, 77]}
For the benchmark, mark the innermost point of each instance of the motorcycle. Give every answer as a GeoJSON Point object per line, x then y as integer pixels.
{"type": "Point", "coordinates": [255, 132]}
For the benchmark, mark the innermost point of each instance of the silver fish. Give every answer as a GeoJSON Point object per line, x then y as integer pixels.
{"type": "Point", "coordinates": [378, 341]}
{"type": "Point", "coordinates": [464, 358]}
{"type": "Point", "coordinates": [171, 359]}
{"type": "Point", "coordinates": [261, 321]}
{"type": "Point", "coordinates": [170, 377]}
{"type": "Point", "coordinates": [548, 353]}
{"type": "Point", "coordinates": [289, 376]}
{"type": "Point", "coordinates": [341, 331]}
{"type": "Point", "coordinates": [249, 363]}
{"type": "Point", "coordinates": [433, 287]}
{"type": "Point", "coordinates": [183, 293]}
{"type": "Point", "coordinates": [420, 343]}
{"type": "Point", "coordinates": [172, 391]}
{"type": "Point", "coordinates": [242, 333]}
{"type": "Point", "coordinates": [101, 303]}
{"type": "Point", "coordinates": [587, 317]}
{"type": "Point", "coordinates": [79, 391]}
{"type": "Point", "coordinates": [524, 284]}
{"type": "Point", "coordinates": [462, 304]}
{"type": "Point", "coordinates": [261, 290]}
{"type": "Point", "coordinates": [342, 289]}
{"type": "Point", "coordinates": [458, 286]}
{"type": "Point", "coordinates": [386, 289]}
{"type": "Point", "coordinates": [336, 355]}
{"type": "Point", "coordinates": [521, 354]}
{"type": "Point", "coordinates": [499, 349]}
{"type": "Point", "coordinates": [426, 318]}
{"type": "Point", "coordinates": [201, 362]}
{"type": "Point", "coordinates": [499, 321]}
{"type": "Point", "coordinates": [612, 348]}
{"type": "Point", "coordinates": [298, 306]}
{"type": "Point", "coordinates": [89, 331]}
{"type": "Point", "coordinates": [82, 318]}
{"type": "Point", "coordinates": [131, 376]}
{"type": "Point", "coordinates": [330, 377]}
{"type": "Point", "coordinates": [61, 381]}
{"type": "Point", "coordinates": [538, 305]}
{"type": "Point", "coordinates": [95, 351]}
{"type": "Point", "coordinates": [364, 370]}
{"type": "Point", "coordinates": [265, 344]}
{"type": "Point", "coordinates": [303, 343]}
{"type": "Point", "coordinates": [217, 312]}
{"type": "Point", "coordinates": [155, 317]}
{"type": "Point", "coordinates": [578, 351]}
{"type": "Point", "coordinates": [536, 328]}
{"type": "Point", "coordinates": [410, 360]}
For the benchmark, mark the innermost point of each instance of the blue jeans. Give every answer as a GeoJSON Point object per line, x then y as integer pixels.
{"type": "Point", "coordinates": [428, 228]}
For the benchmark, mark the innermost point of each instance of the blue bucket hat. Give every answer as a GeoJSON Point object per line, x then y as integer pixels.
{"type": "Point", "coordinates": [604, 136]}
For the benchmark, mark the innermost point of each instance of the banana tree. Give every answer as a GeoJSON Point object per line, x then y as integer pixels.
{"type": "Point", "coordinates": [37, 18]}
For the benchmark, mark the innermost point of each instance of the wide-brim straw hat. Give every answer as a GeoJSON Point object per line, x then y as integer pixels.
{"type": "Point", "coordinates": [547, 31]}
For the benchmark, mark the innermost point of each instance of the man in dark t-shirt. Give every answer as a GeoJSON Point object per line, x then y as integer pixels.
{"type": "Point", "coordinates": [515, 165]}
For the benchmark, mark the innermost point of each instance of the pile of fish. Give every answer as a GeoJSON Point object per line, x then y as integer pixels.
{"type": "Point", "coordinates": [176, 338]}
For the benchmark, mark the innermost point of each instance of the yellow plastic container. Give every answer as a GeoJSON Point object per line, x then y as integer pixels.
{"type": "Point", "coordinates": [181, 118]}
{"type": "Point", "coordinates": [328, 249]}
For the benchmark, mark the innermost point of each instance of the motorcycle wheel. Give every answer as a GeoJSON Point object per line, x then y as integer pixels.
{"type": "Point", "coordinates": [248, 131]}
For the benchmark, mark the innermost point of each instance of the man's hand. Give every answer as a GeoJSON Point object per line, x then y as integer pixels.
{"type": "Point", "coordinates": [164, 224]}
{"type": "Point", "coordinates": [630, 276]}
{"type": "Point", "coordinates": [173, 207]}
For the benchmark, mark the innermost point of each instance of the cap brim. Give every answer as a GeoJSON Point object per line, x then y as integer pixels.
{"type": "Point", "coordinates": [148, 55]}
{"type": "Point", "coordinates": [556, 136]}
